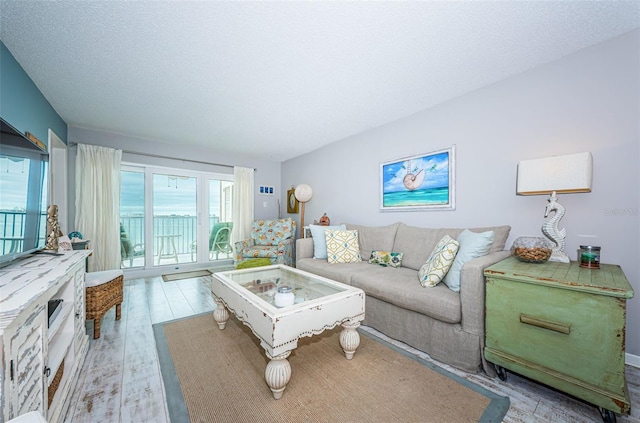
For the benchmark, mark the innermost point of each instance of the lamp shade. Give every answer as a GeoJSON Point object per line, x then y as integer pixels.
{"type": "Point", "coordinates": [303, 193]}
{"type": "Point", "coordinates": [569, 173]}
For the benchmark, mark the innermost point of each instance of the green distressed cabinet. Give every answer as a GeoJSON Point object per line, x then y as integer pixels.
{"type": "Point", "coordinates": [561, 325]}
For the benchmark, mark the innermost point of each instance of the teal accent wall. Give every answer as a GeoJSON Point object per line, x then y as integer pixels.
{"type": "Point", "coordinates": [23, 105]}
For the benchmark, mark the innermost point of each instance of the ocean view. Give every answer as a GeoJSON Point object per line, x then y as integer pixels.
{"type": "Point", "coordinates": [184, 227]}
{"type": "Point", "coordinates": [419, 197]}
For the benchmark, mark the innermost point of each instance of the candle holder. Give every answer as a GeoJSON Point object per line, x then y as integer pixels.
{"type": "Point", "coordinates": [589, 256]}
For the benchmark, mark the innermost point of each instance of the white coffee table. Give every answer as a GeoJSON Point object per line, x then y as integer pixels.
{"type": "Point", "coordinates": [320, 304]}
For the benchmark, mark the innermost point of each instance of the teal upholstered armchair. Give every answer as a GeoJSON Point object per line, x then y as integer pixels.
{"type": "Point", "coordinates": [273, 239]}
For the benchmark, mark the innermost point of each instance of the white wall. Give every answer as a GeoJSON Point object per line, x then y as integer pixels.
{"type": "Point", "coordinates": [588, 101]}
{"type": "Point", "coordinates": [267, 173]}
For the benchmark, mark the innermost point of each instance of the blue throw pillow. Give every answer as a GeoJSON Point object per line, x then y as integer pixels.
{"type": "Point", "coordinates": [319, 241]}
{"type": "Point", "coordinates": [472, 245]}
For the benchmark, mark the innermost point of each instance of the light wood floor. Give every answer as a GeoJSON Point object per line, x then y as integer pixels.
{"type": "Point", "coordinates": [120, 380]}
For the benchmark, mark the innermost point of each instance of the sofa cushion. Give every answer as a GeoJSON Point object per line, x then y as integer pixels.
{"type": "Point", "coordinates": [500, 235]}
{"type": "Point", "coordinates": [342, 246]}
{"type": "Point", "coordinates": [386, 258]}
{"type": "Point", "coordinates": [399, 287]}
{"type": "Point", "coordinates": [319, 241]}
{"type": "Point", "coordinates": [375, 238]}
{"type": "Point", "coordinates": [472, 245]}
{"type": "Point", "coordinates": [341, 272]}
{"type": "Point", "coordinates": [439, 262]}
{"type": "Point", "coordinates": [417, 243]}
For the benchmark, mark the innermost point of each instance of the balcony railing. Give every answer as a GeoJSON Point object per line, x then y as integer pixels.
{"type": "Point", "coordinates": [183, 228]}
{"type": "Point", "coordinates": [170, 232]}
{"type": "Point", "coordinates": [12, 229]}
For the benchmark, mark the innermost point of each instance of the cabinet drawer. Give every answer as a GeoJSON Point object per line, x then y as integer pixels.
{"type": "Point", "coordinates": [574, 333]}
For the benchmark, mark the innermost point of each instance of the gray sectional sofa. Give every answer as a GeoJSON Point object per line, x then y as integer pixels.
{"type": "Point", "coordinates": [447, 325]}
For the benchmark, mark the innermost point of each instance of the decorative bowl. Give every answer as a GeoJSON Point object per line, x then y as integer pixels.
{"type": "Point", "coordinates": [531, 249]}
{"type": "Point", "coordinates": [75, 234]}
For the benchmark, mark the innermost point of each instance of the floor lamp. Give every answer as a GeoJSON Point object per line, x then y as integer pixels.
{"type": "Point", "coordinates": [303, 194]}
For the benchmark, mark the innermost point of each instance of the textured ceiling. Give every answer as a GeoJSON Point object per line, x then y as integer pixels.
{"type": "Point", "coordinates": [275, 80]}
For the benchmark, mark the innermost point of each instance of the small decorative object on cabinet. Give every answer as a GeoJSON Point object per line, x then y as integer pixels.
{"type": "Point", "coordinates": [589, 256]}
{"type": "Point", "coordinates": [80, 244]}
{"type": "Point", "coordinates": [75, 234]}
{"type": "Point", "coordinates": [531, 249]}
{"type": "Point", "coordinates": [53, 228]}
{"type": "Point", "coordinates": [561, 325]}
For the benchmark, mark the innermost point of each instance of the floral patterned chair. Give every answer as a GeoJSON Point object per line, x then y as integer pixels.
{"type": "Point", "coordinates": [272, 239]}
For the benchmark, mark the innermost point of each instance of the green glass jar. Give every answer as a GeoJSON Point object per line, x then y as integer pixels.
{"type": "Point", "coordinates": [589, 256]}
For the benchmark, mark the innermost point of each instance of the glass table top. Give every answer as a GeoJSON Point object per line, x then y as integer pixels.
{"type": "Point", "coordinates": [274, 284]}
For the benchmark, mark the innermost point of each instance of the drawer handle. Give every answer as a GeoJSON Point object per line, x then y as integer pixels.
{"type": "Point", "coordinates": [545, 324]}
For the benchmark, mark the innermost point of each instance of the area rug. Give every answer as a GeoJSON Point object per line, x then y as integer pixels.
{"type": "Point", "coordinates": [213, 375]}
{"type": "Point", "coordinates": [185, 275]}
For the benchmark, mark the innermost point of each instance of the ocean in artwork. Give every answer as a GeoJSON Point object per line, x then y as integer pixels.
{"type": "Point", "coordinates": [419, 197]}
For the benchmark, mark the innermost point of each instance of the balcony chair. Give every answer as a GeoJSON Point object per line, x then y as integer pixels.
{"type": "Point", "coordinates": [273, 239]}
{"type": "Point", "coordinates": [127, 250]}
{"type": "Point", "coordinates": [219, 241]}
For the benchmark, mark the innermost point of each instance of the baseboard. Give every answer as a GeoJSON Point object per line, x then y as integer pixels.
{"type": "Point", "coordinates": [632, 360]}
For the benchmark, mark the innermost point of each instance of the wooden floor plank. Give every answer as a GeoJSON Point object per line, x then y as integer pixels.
{"type": "Point", "coordinates": [120, 380]}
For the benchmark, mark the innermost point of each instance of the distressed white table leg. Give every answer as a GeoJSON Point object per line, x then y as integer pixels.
{"type": "Point", "coordinates": [350, 338]}
{"type": "Point", "coordinates": [278, 373]}
{"type": "Point", "coordinates": [220, 314]}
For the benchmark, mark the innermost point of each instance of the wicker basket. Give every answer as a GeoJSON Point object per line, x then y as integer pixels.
{"type": "Point", "coordinates": [100, 298]}
{"type": "Point", "coordinates": [54, 384]}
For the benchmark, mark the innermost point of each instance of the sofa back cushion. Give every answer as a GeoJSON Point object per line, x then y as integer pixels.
{"type": "Point", "coordinates": [416, 244]}
{"type": "Point", "coordinates": [373, 238]}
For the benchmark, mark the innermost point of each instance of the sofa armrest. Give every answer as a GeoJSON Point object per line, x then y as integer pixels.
{"type": "Point", "coordinates": [304, 248]}
{"type": "Point", "coordinates": [472, 291]}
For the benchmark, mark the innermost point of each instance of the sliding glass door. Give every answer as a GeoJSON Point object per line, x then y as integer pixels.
{"type": "Point", "coordinates": [172, 217]}
{"type": "Point", "coordinates": [132, 217]}
{"type": "Point", "coordinates": [220, 224]}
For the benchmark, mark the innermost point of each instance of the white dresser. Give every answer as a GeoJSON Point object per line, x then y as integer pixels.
{"type": "Point", "coordinates": [40, 360]}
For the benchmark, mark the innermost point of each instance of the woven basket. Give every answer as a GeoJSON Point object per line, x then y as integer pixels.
{"type": "Point", "coordinates": [99, 299]}
{"type": "Point", "coordinates": [54, 384]}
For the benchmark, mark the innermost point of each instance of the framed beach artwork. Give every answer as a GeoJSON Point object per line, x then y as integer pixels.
{"type": "Point", "coordinates": [422, 182]}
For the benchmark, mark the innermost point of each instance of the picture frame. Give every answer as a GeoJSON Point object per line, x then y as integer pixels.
{"type": "Point", "coordinates": [292, 201]}
{"type": "Point", "coordinates": [420, 182]}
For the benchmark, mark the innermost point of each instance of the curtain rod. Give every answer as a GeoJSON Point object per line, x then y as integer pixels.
{"type": "Point", "coordinates": [158, 156]}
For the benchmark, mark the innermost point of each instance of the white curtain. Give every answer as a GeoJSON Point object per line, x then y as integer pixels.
{"type": "Point", "coordinates": [242, 202]}
{"type": "Point", "coordinates": [98, 204]}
